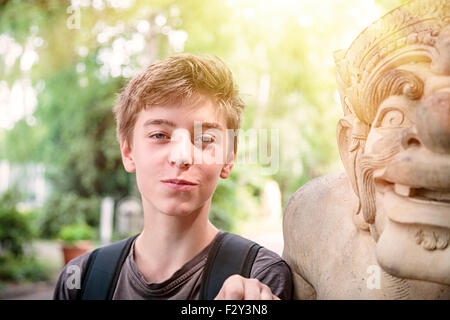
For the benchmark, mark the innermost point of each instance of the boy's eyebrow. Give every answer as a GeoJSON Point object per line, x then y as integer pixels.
{"type": "Point", "coordinates": [150, 122]}
{"type": "Point", "coordinates": [205, 124]}
{"type": "Point", "coordinates": [209, 125]}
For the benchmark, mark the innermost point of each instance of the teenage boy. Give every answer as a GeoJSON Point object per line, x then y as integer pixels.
{"type": "Point", "coordinates": [173, 125]}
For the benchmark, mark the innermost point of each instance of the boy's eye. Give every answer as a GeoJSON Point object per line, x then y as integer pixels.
{"type": "Point", "coordinates": [205, 139]}
{"type": "Point", "coordinates": [159, 136]}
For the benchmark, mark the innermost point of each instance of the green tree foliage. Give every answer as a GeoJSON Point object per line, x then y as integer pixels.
{"type": "Point", "coordinates": [15, 227]}
{"type": "Point", "coordinates": [63, 209]}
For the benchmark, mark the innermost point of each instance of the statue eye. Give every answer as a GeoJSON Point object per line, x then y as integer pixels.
{"type": "Point", "coordinates": [391, 118]}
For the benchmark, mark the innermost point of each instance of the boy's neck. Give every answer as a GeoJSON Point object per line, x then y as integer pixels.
{"type": "Point", "coordinates": [168, 242]}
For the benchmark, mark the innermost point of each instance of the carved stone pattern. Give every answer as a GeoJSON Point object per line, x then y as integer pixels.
{"type": "Point", "coordinates": [432, 239]}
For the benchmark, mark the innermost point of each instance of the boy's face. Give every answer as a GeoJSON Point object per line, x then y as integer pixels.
{"type": "Point", "coordinates": [178, 154]}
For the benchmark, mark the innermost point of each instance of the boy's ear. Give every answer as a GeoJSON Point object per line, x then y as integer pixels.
{"type": "Point", "coordinates": [127, 157]}
{"type": "Point", "coordinates": [226, 170]}
{"type": "Point", "coordinates": [228, 166]}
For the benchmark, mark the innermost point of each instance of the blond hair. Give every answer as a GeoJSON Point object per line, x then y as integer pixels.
{"type": "Point", "coordinates": [178, 79]}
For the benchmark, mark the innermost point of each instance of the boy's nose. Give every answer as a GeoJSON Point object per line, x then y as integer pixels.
{"type": "Point", "coordinates": [181, 151]}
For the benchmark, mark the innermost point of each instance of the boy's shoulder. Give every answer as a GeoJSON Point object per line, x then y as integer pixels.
{"type": "Point", "coordinates": [273, 271]}
{"type": "Point", "coordinates": [68, 286]}
{"type": "Point", "coordinates": [265, 259]}
{"type": "Point", "coordinates": [104, 262]}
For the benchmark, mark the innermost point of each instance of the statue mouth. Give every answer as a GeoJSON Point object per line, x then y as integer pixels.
{"type": "Point", "coordinates": [414, 193]}
{"type": "Point", "coordinates": [415, 186]}
{"type": "Point", "coordinates": [405, 204]}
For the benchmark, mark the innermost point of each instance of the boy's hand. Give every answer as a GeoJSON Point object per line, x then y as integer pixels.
{"type": "Point", "coordinates": [240, 288]}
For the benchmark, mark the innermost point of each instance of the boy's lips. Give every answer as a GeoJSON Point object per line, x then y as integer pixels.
{"type": "Point", "coordinates": [179, 184]}
{"type": "Point", "coordinates": [179, 181]}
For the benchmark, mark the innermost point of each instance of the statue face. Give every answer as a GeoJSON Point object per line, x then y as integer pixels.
{"type": "Point", "coordinates": [404, 176]}
{"type": "Point", "coordinates": [394, 140]}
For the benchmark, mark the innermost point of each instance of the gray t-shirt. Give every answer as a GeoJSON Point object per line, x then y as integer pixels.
{"type": "Point", "coordinates": [184, 284]}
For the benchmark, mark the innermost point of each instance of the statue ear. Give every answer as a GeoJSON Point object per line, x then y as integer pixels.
{"type": "Point", "coordinates": [348, 149]}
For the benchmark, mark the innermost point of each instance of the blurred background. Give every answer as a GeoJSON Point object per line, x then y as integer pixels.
{"type": "Point", "coordinates": [62, 63]}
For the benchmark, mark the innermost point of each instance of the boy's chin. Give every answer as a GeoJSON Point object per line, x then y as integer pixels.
{"type": "Point", "coordinates": [183, 210]}
{"type": "Point", "coordinates": [177, 213]}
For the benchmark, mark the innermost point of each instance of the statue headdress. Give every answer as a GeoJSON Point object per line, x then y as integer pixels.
{"type": "Point", "coordinates": [406, 34]}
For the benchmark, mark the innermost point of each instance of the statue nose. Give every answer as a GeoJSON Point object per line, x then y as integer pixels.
{"type": "Point", "coordinates": [433, 122]}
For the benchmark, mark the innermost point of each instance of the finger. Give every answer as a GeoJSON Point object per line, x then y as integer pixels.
{"type": "Point", "coordinates": [235, 290]}
{"type": "Point", "coordinates": [266, 293]}
{"type": "Point", "coordinates": [232, 289]}
{"type": "Point", "coordinates": [252, 288]}
{"type": "Point", "coordinates": [220, 295]}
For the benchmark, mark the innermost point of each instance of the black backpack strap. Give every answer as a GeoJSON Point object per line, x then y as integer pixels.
{"type": "Point", "coordinates": [230, 254]}
{"type": "Point", "coordinates": [102, 271]}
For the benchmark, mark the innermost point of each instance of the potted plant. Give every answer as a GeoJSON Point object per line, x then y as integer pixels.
{"type": "Point", "coordinates": [77, 239]}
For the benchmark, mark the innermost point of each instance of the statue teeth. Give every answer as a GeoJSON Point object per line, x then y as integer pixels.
{"type": "Point", "coordinates": [402, 190]}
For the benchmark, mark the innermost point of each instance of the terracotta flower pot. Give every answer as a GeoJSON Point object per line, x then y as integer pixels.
{"type": "Point", "coordinates": [74, 250]}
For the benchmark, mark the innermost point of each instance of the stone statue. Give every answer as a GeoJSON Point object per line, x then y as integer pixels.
{"type": "Point", "coordinates": [381, 230]}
